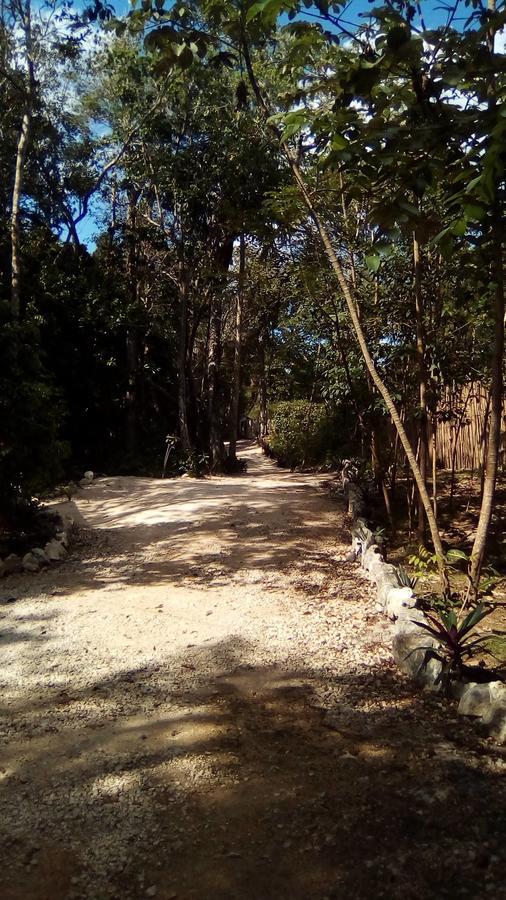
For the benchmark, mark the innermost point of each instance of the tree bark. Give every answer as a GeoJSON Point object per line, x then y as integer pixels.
{"type": "Point", "coordinates": [19, 173]}
{"type": "Point", "coordinates": [131, 344]}
{"type": "Point", "coordinates": [216, 445]}
{"type": "Point", "coordinates": [262, 387]}
{"type": "Point", "coordinates": [236, 386]}
{"type": "Point", "coordinates": [182, 394]}
{"type": "Point", "coordinates": [422, 381]}
{"type": "Point", "coordinates": [359, 333]}
{"type": "Point", "coordinates": [496, 405]}
{"type": "Point", "coordinates": [496, 388]}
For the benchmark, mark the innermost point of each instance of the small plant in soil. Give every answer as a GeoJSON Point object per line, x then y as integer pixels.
{"type": "Point", "coordinates": [193, 463]}
{"type": "Point", "coordinates": [456, 638]}
{"type": "Point", "coordinates": [405, 579]}
{"type": "Point", "coordinates": [425, 563]}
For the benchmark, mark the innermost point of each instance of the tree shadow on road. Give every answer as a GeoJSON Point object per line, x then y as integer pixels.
{"type": "Point", "coordinates": [212, 778]}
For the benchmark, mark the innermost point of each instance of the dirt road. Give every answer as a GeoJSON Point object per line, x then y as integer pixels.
{"type": "Point", "coordinates": [200, 704]}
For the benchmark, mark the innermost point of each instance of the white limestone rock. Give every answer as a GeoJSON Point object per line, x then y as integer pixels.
{"type": "Point", "coordinates": [40, 555]}
{"type": "Point", "coordinates": [12, 564]}
{"type": "Point", "coordinates": [55, 551]}
{"type": "Point", "coordinates": [30, 563]}
{"type": "Point", "coordinates": [495, 720]}
{"type": "Point", "coordinates": [371, 556]}
{"type": "Point", "coordinates": [399, 601]}
{"type": "Point", "coordinates": [414, 652]}
{"type": "Point", "coordinates": [475, 700]}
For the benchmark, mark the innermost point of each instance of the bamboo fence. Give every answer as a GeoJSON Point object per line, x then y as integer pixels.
{"type": "Point", "coordinates": [462, 428]}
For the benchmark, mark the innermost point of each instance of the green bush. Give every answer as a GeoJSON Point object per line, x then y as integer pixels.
{"type": "Point", "coordinates": [31, 451]}
{"type": "Point", "coordinates": [301, 433]}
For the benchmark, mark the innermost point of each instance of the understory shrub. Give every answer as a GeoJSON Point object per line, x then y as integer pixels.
{"type": "Point", "coordinates": [301, 433]}
{"type": "Point", "coordinates": [31, 452]}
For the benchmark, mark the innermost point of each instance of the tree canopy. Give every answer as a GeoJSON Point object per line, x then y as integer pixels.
{"type": "Point", "coordinates": [210, 208]}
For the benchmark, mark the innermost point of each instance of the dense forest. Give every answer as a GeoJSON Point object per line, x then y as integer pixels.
{"type": "Point", "coordinates": [223, 219]}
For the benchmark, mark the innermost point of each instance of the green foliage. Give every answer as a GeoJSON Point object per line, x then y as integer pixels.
{"type": "Point", "coordinates": [405, 579]}
{"type": "Point", "coordinates": [424, 562]}
{"type": "Point", "coordinates": [302, 433]}
{"type": "Point", "coordinates": [455, 637]}
{"type": "Point", "coordinates": [31, 413]}
{"type": "Point", "coordinates": [393, 131]}
{"type": "Point", "coordinates": [193, 463]}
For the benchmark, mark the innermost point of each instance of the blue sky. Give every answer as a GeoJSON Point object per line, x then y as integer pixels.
{"type": "Point", "coordinates": [434, 15]}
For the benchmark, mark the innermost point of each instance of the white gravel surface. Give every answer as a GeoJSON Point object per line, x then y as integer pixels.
{"type": "Point", "coordinates": [200, 702]}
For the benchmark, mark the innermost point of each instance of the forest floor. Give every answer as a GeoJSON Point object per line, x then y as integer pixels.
{"type": "Point", "coordinates": [200, 703]}
{"type": "Point", "coordinates": [458, 521]}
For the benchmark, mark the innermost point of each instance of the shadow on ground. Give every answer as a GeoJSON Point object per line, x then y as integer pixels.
{"type": "Point", "coordinates": [235, 784]}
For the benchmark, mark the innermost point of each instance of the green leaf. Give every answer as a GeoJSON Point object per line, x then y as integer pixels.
{"type": "Point", "coordinates": [473, 212]}
{"type": "Point", "coordinates": [294, 122]}
{"type": "Point", "coordinates": [459, 227]}
{"type": "Point", "coordinates": [269, 9]}
{"type": "Point", "coordinates": [256, 9]}
{"type": "Point", "coordinates": [455, 554]}
{"type": "Point", "coordinates": [339, 142]}
{"type": "Point", "coordinates": [159, 38]}
{"type": "Point", "coordinates": [373, 261]}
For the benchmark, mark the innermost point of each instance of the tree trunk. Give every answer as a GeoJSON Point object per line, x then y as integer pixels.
{"type": "Point", "coordinates": [131, 344]}
{"type": "Point", "coordinates": [19, 173]}
{"type": "Point", "coordinates": [182, 397]}
{"type": "Point", "coordinates": [496, 404]}
{"type": "Point", "coordinates": [236, 387]}
{"type": "Point", "coordinates": [216, 445]}
{"type": "Point", "coordinates": [496, 388]}
{"type": "Point", "coordinates": [378, 470]}
{"type": "Point", "coordinates": [357, 327]}
{"type": "Point", "coordinates": [131, 392]}
{"type": "Point", "coordinates": [422, 381]}
{"type": "Point", "coordinates": [262, 387]}
{"type": "Point", "coordinates": [434, 465]}
{"type": "Point", "coordinates": [373, 372]}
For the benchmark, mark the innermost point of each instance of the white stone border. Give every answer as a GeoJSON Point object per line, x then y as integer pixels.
{"type": "Point", "coordinates": [54, 551]}
{"type": "Point", "coordinates": [412, 647]}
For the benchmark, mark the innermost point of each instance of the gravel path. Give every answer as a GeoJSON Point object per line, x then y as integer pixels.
{"type": "Point", "coordinates": [200, 703]}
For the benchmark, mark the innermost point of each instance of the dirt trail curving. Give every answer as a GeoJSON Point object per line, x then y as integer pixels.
{"type": "Point", "coordinates": [200, 703]}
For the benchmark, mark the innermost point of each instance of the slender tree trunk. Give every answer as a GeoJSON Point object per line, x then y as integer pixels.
{"type": "Point", "coordinates": [483, 447]}
{"type": "Point", "coordinates": [434, 465]}
{"type": "Point", "coordinates": [350, 303]}
{"type": "Point", "coordinates": [15, 215]}
{"type": "Point", "coordinates": [372, 370]}
{"type": "Point", "coordinates": [216, 445]}
{"type": "Point", "coordinates": [359, 333]}
{"type": "Point", "coordinates": [496, 405]}
{"type": "Point", "coordinates": [422, 381]}
{"type": "Point", "coordinates": [131, 342]}
{"type": "Point", "coordinates": [131, 392]}
{"type": "Point", "coordinates": [379, 474]}
{"type": "Point", "coordinates": [496, 388]}
{"type": "Point", "coordinates": [112, 224]}
{"type": "Point", "coordinates": [236, 386]}
{"type": "Point", "coordinates": [393, 477]}
{"type": "Point", "coordinates": [182, 397]}
{"type": "Point", "coordinates": [19, 172]}
{"type": "Point", "coordinates": [262, 387]}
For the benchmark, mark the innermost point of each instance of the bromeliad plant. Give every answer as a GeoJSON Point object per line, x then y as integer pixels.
{"type": "Point", "coordinates": [455, 638]}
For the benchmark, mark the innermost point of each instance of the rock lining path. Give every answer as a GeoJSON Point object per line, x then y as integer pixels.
{"type": "Point", "coordinates": [200, 704]}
